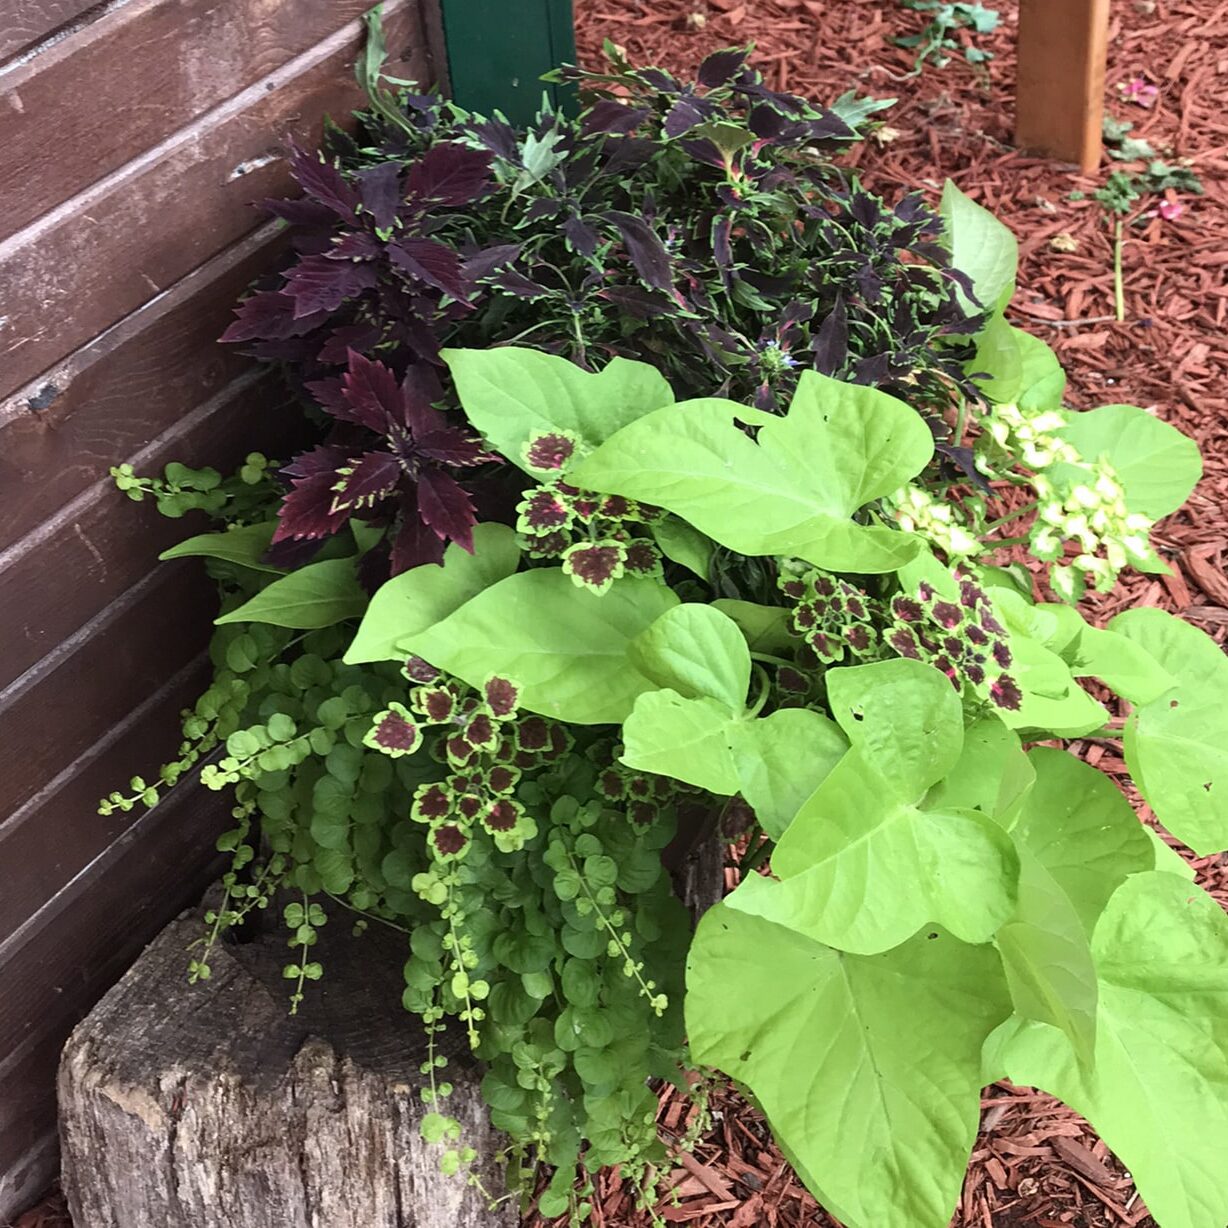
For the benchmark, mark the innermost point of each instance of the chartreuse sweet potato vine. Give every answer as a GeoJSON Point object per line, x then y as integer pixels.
{"type": "Point", "coordinates": [787, 620]}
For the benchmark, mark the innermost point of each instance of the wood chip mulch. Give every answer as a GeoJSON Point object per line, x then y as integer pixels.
{"type": "Point", "coordinates": [1035, 1162]}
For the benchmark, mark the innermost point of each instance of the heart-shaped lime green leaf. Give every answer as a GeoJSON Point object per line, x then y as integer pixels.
{"type": "Point", "coordinates": [686, 739]}
{"type": "Point", "coordinates": [1157, 465]}
{"type": "Point", "coordinates": [245, 546]}
{"type": "Point", "coordinates": [512, 629]}
{"type": "Point", "coordinates": [684, 545]}
{"type": "Point", "coordinates": [793, 490]}
{"type": "Point", "coordinates": [1158, 1092]}
{"type": "Point", "coordinates": [417, 599]}
{"type": "Point", "coordinates": [1081, 829]}
{"type": "Point", "coordinates": [992, 774]}
{"type": "Point", "coordinates": [512, 394]}
{"type": "Point", "coordinates": [1047, 958]}
{"type": "Point", "coordinates": [765, 627]}
{"type": "Point", "coordinates": [1177, 744]}
{"type": "Point", "coordinates": [868, 1068]}
{"type": "Point", "coordinates": [318, 595]}
{"type": "Point", "coordinates": [904, 717]}
{"type": "Point", "coordinates": [696, 650]}
{"type": "Point", "coordinates": [1025, 371]}
{"type": "Point", "coordinates": [781, 760]}
{"type": "Point", "coordinates": [981, 247]}
{"type": "Point", "coordinates": [861, 870]}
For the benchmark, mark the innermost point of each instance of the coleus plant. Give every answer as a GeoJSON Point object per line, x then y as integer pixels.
{"type": "Point", "coordinates": [702, 228]}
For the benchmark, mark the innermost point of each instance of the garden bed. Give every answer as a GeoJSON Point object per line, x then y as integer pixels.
{"type": "Point", "coordinates": [1035, 1162]}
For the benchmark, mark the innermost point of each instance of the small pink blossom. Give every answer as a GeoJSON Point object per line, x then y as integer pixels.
{"type": "Point", "coordinates": [1170, 210]}
{"type": "Point", "coordinates": [1140, 92]}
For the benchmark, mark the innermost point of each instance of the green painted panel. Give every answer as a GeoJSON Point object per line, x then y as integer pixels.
{"type": "Point", "coordinates": [498, 50]}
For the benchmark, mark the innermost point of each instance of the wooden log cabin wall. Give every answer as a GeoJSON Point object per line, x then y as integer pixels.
{"type": "Point", "coordinates": [134, 136]}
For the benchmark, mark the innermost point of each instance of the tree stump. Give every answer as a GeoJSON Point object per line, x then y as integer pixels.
{"type": "Point", "coordinates": [212, 1107]}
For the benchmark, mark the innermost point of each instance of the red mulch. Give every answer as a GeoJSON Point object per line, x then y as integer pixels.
{"type": "Point", "coordinates": [1035, 1163]}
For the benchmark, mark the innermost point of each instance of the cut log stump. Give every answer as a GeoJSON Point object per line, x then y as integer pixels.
{"type": "Point", "coordinates": [212, 1107]}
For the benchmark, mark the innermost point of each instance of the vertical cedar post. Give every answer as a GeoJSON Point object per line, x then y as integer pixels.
{"type": "Point", "coordinates": [497, 51]}
{"type": "Point", "coordinates": [1063, 45]}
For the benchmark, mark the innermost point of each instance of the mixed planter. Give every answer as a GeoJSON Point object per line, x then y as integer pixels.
{"type": "Point", "coordinates": [662, 484]}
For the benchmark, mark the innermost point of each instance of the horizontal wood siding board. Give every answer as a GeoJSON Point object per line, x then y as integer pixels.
{"type": "Point", "coordinates": [57, 579]}
{"type": "Point", "coordinates": [75, 950]}
{"type": "Point", "coordinates": [55, 712]}
{"type": "Point", "coordinates": [58, 831]}
{"type": "Point", "coordinates": [191, 56]}
{"type": "Point", "coordinates": [104, 252]}
{"type": "Point", "coordinates": [26, 23]}
{"type": "Point", "coordinates": [64, 431]}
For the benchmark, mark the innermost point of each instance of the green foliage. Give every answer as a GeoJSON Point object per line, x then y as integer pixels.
{"type": "Point", "coordinates": [939, 35]}
{"type": "Point", "coordinates": [713, 617]}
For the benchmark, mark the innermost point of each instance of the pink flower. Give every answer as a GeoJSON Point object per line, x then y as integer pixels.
{"type": "Point", "coordinates": [1170, 210]}
{"type": "Point", "coordinates": [1139, 91]}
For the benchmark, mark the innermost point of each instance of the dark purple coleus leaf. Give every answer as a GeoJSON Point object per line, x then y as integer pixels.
{"type": "Point", "coordinates": [581, 237]}
{"type": "Point", "coordinates": [357, 337]}
{"type": "Point", "coordinates": [646, 251]}
{"type": "Point", "coordinates": [380, 190]}
{"type": "Point", "coordinates": [636, 302]}
{"type": "Point", "coordinates": [371, 477]}
{"type": "Point", "coordinates": [487, 261]}
{"type": "Point", "coordinates": [831, 340]}
{"type": "Point", "coordinates": [721, 67]}
{"type": "Point", "coordinates": [432, 262]}
{"type": "Point", "coordinates": [612, 118]}
{"type": "Point", "coordinates": [446, 507]}
{"type": "Point", "coordinates": [321, 284]}
{"type": "Point", "coordinates": [297, 212]}
{"type": "Point", "coordinates": [514, 283]}
{"type": "Point", "coordinates": [687, 113]}
{"type": "Point", "coordinates": [324, 182]}
{"type": "Point", "coordinates": [449, 174]}
{"type": "Point", "coordinates": [269, 315]}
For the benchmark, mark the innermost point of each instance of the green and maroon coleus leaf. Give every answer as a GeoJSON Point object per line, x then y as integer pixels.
{"type": "Point", "coordinates": [542, 511]}
{"type": "Point", "coordinates": [502, 697]}
{"type": "Point", "coordinates": [436, 703]}
{"type": "Point", "coordinates": [502, 778]}
{"type": "Point", "coordinates": [480, 732]}
{"type": "Point", "coordinates": [550, 451]}
{"type": "Point", "coordinates": [532, 734]}
{"type": "Point", "coordinates": [501, 815]}
{"type": "Point", "coordinates": [642, 558]}
{"type": "Point", "coordinates": [594, 565]}
{"type": "Point", "coordinates": [394, 732]}
{"type": "Point", "coordinates": [417, 669]}
{"type": "Point", "coordinates": [448, 841]}
{"type": "Point", "coordinates": [431, 802]}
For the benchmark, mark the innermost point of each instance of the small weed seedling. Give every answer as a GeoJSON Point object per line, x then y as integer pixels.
{"type": "Point", "coordinates": [938, 37]}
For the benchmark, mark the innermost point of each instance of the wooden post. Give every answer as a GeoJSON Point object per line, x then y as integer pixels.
{"type": "Point", "coordinates": [1063, 45]}
{"type": "Point", "coordinates": [497, 51]}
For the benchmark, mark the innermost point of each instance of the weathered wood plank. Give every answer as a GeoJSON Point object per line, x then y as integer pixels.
{"type": "Point", "coordinates": [107, 250]}
{"type": "Point", "coordinates": [65, 430]}
{"type": "Point", "coordinates": [58, 832]}
{"type": "Point", "coordinates": [56, 711]}
{"type": "Point", "coordinates": [1059, 95]}
{"type": "Point", "coordinates": [192, 57]}
{"type": "Point", "coordinates": [23, 23]}
{"type": "Point", "coordinates": [59, 577]}
{"type": "Point", "coordinates": [61, 963]}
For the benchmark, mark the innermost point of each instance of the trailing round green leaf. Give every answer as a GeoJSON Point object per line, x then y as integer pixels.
{"type": "Point", "coordinates": [1157, 465]}
{"type": "Point", "coordinates": [793, 490]}
{"type": "Point", "coordinates": [1177, 744]}
{"type": "Point", "coordinates": [904, 717]}
{"type": "Point", "coordinates": [245, 546]}
{"type": "Point", "coordinates": [697, 651]}
{"type": "Point", "coordinates": [1158, 1093]}
{"type": "Point", "coordinates": [1081, 830]}
{"type": "Point", "coordinates": [981, 246]}
{"type": "Point", "coordinates": [781, 759]}
{"type": "Point", "coordinates": [513, 394]}
{"type": "Point", "coordinates": [317, 595]}
{"type": "Point", "coordinates": [685, 739]}
{"type": "Point", "coordinates": [417, 599]}
{"type": "Point", "coordinates": [868, 1067]}
{"type": "Point", "coordinates": [565, 647]}
{"type": "Point", "coordinates": [862, 870]}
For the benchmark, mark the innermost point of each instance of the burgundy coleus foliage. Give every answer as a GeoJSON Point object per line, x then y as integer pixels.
{"type": "Point", "coordinates": [387, 460]}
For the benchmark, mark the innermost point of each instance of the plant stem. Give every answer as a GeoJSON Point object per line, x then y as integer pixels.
{"type": "Point", "coordinates": [1119, 289]}
{"type": "Point", "coordinates": [1020, 511]}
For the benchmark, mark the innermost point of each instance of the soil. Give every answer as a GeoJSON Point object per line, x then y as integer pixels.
{"type": "Point", "coordinates": [1035, 1162]}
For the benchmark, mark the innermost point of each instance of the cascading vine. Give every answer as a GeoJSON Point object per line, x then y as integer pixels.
{"type": "Point", "coordinates": [524, 616]}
